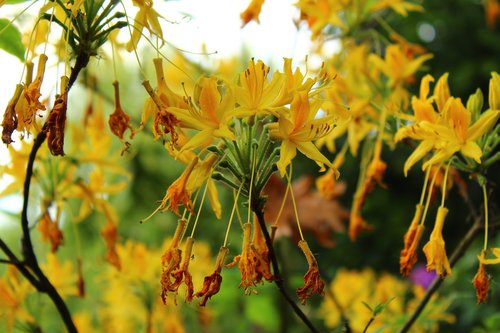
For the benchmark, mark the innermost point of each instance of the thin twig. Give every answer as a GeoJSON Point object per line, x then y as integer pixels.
{"type": "Point", "coordinates": [278, 278]}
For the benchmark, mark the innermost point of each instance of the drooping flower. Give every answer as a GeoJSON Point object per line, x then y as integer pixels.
{"type": "Point", "coordinates": [110, 235]}
{"type": "Point", "coordinates": [50, 231]}
{"type": "Point", "coordinates": [119, 121]}
{"type": "Point", "coordinates": [182, 274]}
{"type": "Point", "coordinates": [312, 280]}
{"type": "Point", "coordinates": [178, 192]}
{"type": "Point", "coordinates": [481, 281]}
{"type": "Point", "coordinates": [434, 250]}
{"type": "Point", "coordinates": [56, 121]}
{"type": "Point", "coordinates": [408, 256]}
{"type": "Point", "coordinates": [246, 262]}
{"type": "Point", "coordinates": [211, 283]}
{"type": "Point", "coordinates": [9, 122]}
{"type": "Point", "coordinates": [170, 262]}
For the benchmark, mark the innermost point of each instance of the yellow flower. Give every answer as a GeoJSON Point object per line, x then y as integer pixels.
{"type": "Point", "coordinates": [298, 129]}
{"type": "Point", "coordinates": [399, 6]}
{"type": "Point", "coordinates": [147, 18]}
{"type": "Point", "coordinates": [178, 192]}
{"type": "Point", "coordinates": [252, 12]}
{"type": "Point", "coordinates": [210, 116]}
{"type": "Point", "coordinates": [255, 94]}
{"type": "Point", "coordinates": [397, 65]}
{"type": "Point", "coordinates": [13, 292]}
{"type": "Point", "coordinates": [434, 250]}
{"type": "Point", "coordinates": [61, 275]}
{"type": "Point", "coordinates": [494, 92]}
{"type": "Point", "coordinates": [456, 134]}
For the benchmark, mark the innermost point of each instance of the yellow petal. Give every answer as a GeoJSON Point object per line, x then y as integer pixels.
{"type": "Point", "coordinates": [487, 120]}
{"type": "Point", "coordinates": [423, 148]}
{"type": "Point", "coordinates": [494, 94]}
{"type": "Point", "coordinates": [312, 152]}
{"type": "Point", "coordinates": [288, 150]}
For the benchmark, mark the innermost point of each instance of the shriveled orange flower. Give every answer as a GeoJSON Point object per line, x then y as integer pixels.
{"type": "Point", "coordinates": [57, 121]}
{"type": "Point", "coordinates": [246, 261]}
{"type": "Point", "coordinates": [434, 250]}
{"type": "Point", "coordinates": [30, 104]}
{"type": "Point", "coordinates": [408, 256]}
{"type": "Point", "coordinates": [110, 235]}
{"type": "Point", "coordinates": [50, 231]}
{"type": "Point", "coordinates": [252, 12]}
{"type": "Point", "coordinates": [119, 121]}
{"type": "Point", "coordinates": [312, 280]}
{"type": "Point", "coordinates": [481, 281]}
{"type": "Point", "coordinates": [182, 274]}
{"type": "Point", "coordinates": [9, 122]}
{"type": "Point", "coordinates": [374, 174]}
{"type": "Point", "coordinates": [261, 252]}
{"type": "Point", "coordinates": [170, 261]}
{"type": "Point", "coordinates": [211, 283]}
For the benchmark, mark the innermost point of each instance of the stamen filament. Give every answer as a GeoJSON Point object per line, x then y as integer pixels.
{"type": "Point", "coordinates": [486, 226]}
{"type": "Point", "coordinates": [429, 194]}
{"type": "Point", "coordinates": [289, 178]}
{"type": "Point", "coordinates": [199, 210]}
{"type": "Point", "coordinates": [445, 181]}
{"type": "Point", "coordinates": [232, 214]}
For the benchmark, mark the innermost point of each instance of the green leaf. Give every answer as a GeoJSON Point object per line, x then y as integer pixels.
{"type": "Point", "coordinates": [15, 2]}
{"type": "Point", "coordinates": [381, 307]}
{"type": "Point", "coordinates": [11, 40]}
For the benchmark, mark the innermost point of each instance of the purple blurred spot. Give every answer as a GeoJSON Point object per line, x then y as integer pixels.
{"type": "Point", "coordinates": [421, 277]}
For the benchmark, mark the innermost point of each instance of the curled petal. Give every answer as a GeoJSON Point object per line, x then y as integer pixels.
{"type": "Point", "coordinates": [211, 283]}
{"type": "Point", "coordinates": [312, 279]}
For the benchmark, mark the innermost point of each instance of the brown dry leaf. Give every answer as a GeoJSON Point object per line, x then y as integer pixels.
{"type": "Point", "coordinates": [317, 214]}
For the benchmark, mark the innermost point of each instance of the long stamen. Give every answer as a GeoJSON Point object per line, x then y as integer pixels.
{"type": "Point", "coordinates": [232, 214]}
{"type": "Point", "coordinates": [429, 194]}
{"type": "Point", "coordinates": [199, 211]}
{"type": "Point", "coordinates": [485, 199]}
{"type": "Point", "coordinates": [445, 181]}
{"type": "Point", "coordinates": [289, 178]}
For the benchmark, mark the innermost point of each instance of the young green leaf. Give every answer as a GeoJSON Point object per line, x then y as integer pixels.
{"type": "Point", "coordinates": [10, 39]}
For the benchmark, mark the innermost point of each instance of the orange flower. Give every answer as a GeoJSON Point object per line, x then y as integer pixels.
{"type": "Point", "coordinates": [434, 250]}
{"type": "Point", "coordinates": [374, 173]}
{"type": "Point", "coordinates": [246, 262]}
{"type": "Point", "coordinates": [110, 235]}
{"type": "Point", "coordinates": [252, 12]}
{"type": "Point", "coordinates": [211, 283]}
{"type": "Point", "coordinates": [261, 252]}
{"type": "Point", "coordinates": [182, 274]}
{"type": "Point", "coordinates": [50, 231]}
{"type": "Point", "coordinates": [312, 279]}
{"type": "Point", "coordinates": [481, 281]}
{"type": "Point", "coordinates": [170, 261]}
{"type": "Point", "coordinates": [32, 94]}
{"type": "Point", "coordinates": [9, 123]}
{"type": "Point", "coordinates": [177, 193]}
{"type": "Point", "coordinates": [119, 121]}
{"type": "Point", "coordinates": [408, 256]}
